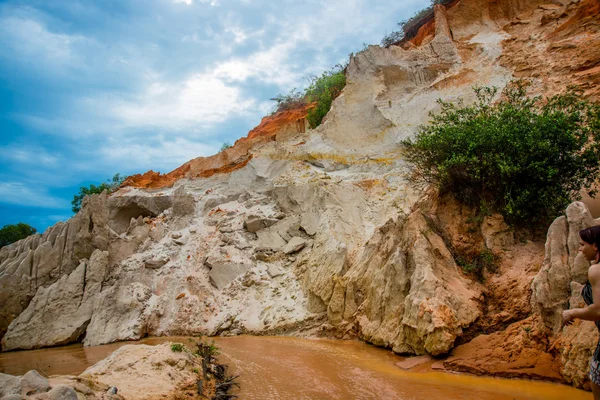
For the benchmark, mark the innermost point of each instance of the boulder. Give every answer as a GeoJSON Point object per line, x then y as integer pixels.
{"type": "Point", "coordinates": [60, 392]}
{"type": "Point", "coordinates": [223, 273]}
{"type": "Point", "coordinates": [255, 223]}
{"type": "Point", "coordinates": [32, 382]}
{"type": "Point", "coordinates": [119, 314]}
{"type": "Point", "coordinates": [294, 245]}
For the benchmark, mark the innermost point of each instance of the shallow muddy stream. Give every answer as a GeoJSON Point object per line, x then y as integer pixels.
{"type": "Point", "coordinates": [292, 368]}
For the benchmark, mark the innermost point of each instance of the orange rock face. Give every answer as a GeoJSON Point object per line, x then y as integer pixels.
{"type": "Point", "coordinates": [557, 46]}
{"type": "Point", "coordinates": [230, 159]}
{"type": "Point", "coordinates": [519, 351]}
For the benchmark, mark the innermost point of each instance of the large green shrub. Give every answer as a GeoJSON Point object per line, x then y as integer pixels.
{"type": "Point", "coordinates": [524, 157]}
{"type": "Point", "coordinates": [13, 233]}
{"type": "Point", "coordinates": [111, 185]}
{"type": "Point", "coordinates": [323, 90]}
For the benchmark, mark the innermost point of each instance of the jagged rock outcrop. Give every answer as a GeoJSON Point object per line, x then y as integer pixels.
{"type": "Point", "coordinates": [406, 291]}
{"type": "Point", "coordinates": [563, 264]}
{"type": "Point", "coordinates": [557, 287]}
{"type": "Point", "coordinates": [41, 260]}
{"type": "Point", "coordinates": [60, 313]}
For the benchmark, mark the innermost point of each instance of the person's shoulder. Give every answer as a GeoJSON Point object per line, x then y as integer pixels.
{"type": "Point", "coordinates": [594, 273]}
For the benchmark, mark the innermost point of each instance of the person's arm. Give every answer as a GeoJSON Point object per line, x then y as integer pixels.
{"type": "Point", "coordinates": [591, 312]}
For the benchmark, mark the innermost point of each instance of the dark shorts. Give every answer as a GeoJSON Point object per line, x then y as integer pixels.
{"type": "Point", "coordinates": [595, 371]}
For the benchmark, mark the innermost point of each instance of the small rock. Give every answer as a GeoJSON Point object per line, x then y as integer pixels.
{"type": "Point", "coordinates": [438, 366]}
{"type": "Point", "coordinates": [255, 223]}
{"type": "Point", "coordinates": [294, 245]}
{"type": "Point", "coordinates": [62, 392]}
{"type": "Point", "coordinates": [32, 382]}
{"type": "Point", "coordinates": [112, 390]}
{"type": "Point", "coordinates": [274, 271]}
{"type": "Point", "coordinates": [155, 263]}
{"type": "Point", "coordinates": [180, 242]}
{"type": "Point", "coordinates": [412, 362]}
{"type": "Point", "coordinates": [81, 388]}
{"type": "Point", "coordinates": [175, 235]}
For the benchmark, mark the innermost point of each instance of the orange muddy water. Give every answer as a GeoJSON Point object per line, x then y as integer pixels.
{"type": "Point", "coordinates": [292, 368]}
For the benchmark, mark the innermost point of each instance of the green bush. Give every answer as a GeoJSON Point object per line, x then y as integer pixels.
{"type": "Point", "coordinates": [111, 185]}
{"type": "Point", "coordinates": [323, 90]}
{"type": "Point", "coordinates": [475, 263]}
{"type": "Point", "coordinates": [288, 101]}
{"type": "Point", "coordinates": [225, 146]}
{"type": "Point", "coordinates": [177, 347]}
{"type": "Point", "coordinates": [523, 157]}
{"type": "Point", "coordinates": [206, 349]}
{"type": "Point", "coordinates": [13, 233]}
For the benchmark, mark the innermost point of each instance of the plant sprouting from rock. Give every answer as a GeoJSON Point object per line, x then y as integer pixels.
{"type": "Point", "coordinates": [177, 347]}
{"type": "Point", "coordinates": [321, 91]}
{"type": "Point", "coordinates": [225, 146]}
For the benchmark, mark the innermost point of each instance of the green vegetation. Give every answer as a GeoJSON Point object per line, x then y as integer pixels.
{"type": "Point", "coordinates": [473, 261]}
{"type": "Point", "coordinates": [225, 146]}
{"type": "Point", "coordinates": [177, 347]}
{"type": "Point", "coordinates": [523, 157]}
{"type": "Point", "coordinates": [111, 185]}
{"type": "Point", "coordinates": [322, 90]}
{"type": "Point", "coordinates": [410, 27]}
{"type": "Point", "coordinates": [477, 262]}
{"type": "Point", "coordinates": [13, 233]}
{"type": "Point", "coordinates": [289, 101]}
{"type": "Point", "coordinates": [206, 349]}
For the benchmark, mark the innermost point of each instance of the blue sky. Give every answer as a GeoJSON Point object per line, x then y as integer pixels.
{"type": "Point", "coordinates": [92, 88]}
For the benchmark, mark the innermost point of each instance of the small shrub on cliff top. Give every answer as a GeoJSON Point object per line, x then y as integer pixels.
{"type": "Point", "coordinates": [225, 146]}
{"type": "Point", "coordinates": [111, 185]}
{"type": "Point", "coordinates": [323, 90]}
{"type": "Point", "coordinates": [524, 157]}
{"type": "Point", "coordinates": [13, 233]}
{"type": "Point", "coordinates": [288, 101]}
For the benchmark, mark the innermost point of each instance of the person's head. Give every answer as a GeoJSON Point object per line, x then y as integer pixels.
{"type": "Point", "coordinates": [589, 245]}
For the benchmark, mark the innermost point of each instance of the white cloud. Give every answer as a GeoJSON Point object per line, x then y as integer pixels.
{"type": "Point", "coordinates": [27, 39]}
{"type": "Point", "coordinates": [164, 156]}
{"type": "Point", "coordinates": [28, 195]}
{"type": "Point", "coordinates": [201, 99]}
{"type": "Point", "coordinates": [188, 2]}
{"type": "Point", "coordinates": [29, 155]}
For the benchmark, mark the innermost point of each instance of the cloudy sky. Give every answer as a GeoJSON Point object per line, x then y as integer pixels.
{"type": "Point", "coordinates": [91, 88]}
